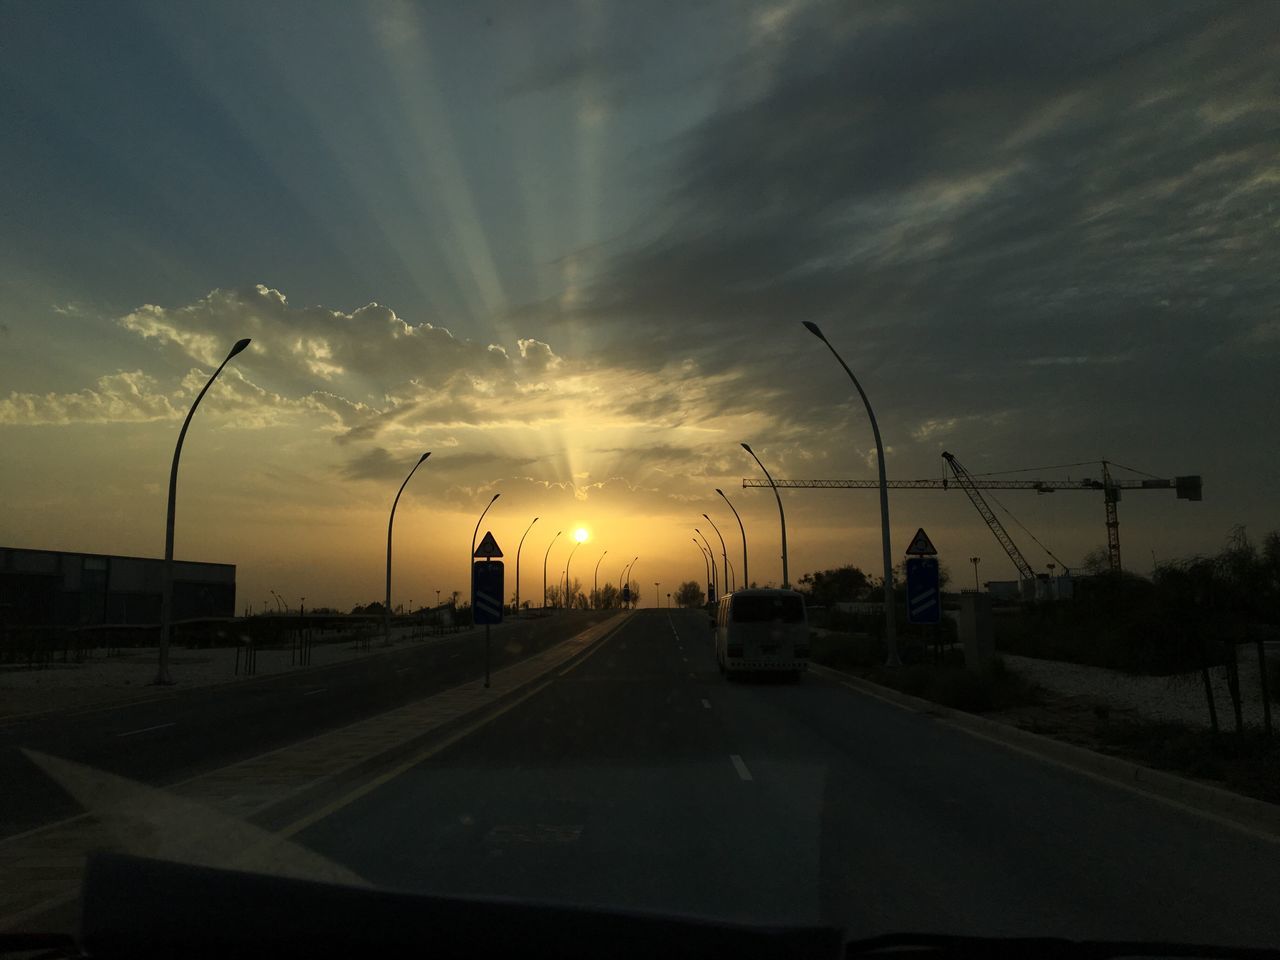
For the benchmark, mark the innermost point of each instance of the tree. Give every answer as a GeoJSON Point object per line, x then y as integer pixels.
{"type": "Point", "coordinates": [689, 594]}
{"type": "Point", "coordinates": [1096, 562]}
{"type": "Point", "coordinates": [828, 587]}
{"type": "Point", "coordinates": [607, 597]}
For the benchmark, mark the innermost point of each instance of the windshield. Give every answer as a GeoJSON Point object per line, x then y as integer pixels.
{"type": "Point", "coordinates": [749, 609]}
{"type": "Point", "coordinates": [400, 401]}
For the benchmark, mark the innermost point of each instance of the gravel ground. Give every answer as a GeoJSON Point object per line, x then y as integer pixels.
{"type": "Point", "coordinates": [127, 676]}
{"type": "Point", "coordinates": [1178, 698]}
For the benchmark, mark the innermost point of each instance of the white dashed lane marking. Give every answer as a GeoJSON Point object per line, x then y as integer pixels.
{"type": "Point", "coordinates": [743, 772]}
{"type": "Point", "coordinates": [158, 726]}
{"type": "Point", "coordinates": [706, 704]}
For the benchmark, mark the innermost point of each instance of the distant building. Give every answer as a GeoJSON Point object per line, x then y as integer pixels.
{"type": "Point", "coordinates": [1043, 587]}
{"type": "Point", "coordinates": [52, 588]}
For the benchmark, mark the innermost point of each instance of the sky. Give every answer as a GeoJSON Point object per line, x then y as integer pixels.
{"type": "Point", "coordinates": [567, 249]}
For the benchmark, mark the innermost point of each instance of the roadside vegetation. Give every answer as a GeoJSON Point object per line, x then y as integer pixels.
{"type": "Point", "coordinates": [1246, 764]}
{"type": "Point", "coordinates": [942, 679]}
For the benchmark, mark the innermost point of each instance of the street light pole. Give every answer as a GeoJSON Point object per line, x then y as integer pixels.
{"type": "Point", "coordinates": [526, 533]}
{"type": "Point", "coordinates": [782, 517]}
{"type": "Point", "coordinates": [657, 594]}
{"type": "Point", "coordinates": [166, 576]}
{"type": "Point", "coordinates": [630, 567]}
{"type": "Point", "coordinates": [595, 582]}
{"type": "Point", "coordinates": [706, 567]}
{"type": "Point", "coordinates": [386, 612]}
{"type": "Point", "coordinates": [544, 567]}
{"type": "Point", "coordinates": [471, 558]}
{"type": "Point", "coordinates": [724, 553]}
{"type": "Point", "coordinates": [890, 624]}
{"type": "Point", "coordinates": [567, 604]}
{"type": "Point", "coordinates": [625, 570]}
{"type": "Point", "coordinates": [715, 576]}
{"type": "Point", "coordinates": [746, 581]}
{"type": "Point", "coordinates": [977, 587]}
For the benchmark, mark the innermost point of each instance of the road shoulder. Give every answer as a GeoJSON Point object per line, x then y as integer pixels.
{"type": "Point", "coordinates": [1255, 816]}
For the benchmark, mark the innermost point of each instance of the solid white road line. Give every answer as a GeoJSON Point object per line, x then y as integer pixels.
{"type": "Point", "coordinates": [158, 726]}
{"type": "Point", "coordinates": [743, 772]}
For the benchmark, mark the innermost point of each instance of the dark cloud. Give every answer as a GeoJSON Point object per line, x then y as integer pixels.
{"type": "Point", "coordinates": [378, 463]}
{"type": "Point", "coordinates": [956, 190]}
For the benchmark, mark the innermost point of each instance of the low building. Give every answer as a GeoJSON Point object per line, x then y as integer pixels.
{"type": "Point", "coordinates": [58, 589]}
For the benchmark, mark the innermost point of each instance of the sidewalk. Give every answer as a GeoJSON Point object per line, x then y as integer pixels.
{"type": "Point", "coordinates": [210, 819]}
{"type": "Point", "coordinates": [103, 680]}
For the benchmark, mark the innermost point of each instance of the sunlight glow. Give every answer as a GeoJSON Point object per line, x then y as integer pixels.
{"type": "Point", "coordinates": [580, 535]}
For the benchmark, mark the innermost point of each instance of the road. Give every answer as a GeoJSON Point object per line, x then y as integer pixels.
{"type": "Point", "coordinates": [643, 779]}
{"type": "Point", "coordinates": [179, 734]}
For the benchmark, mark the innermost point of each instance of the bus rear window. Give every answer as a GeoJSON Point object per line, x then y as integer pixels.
{"type": "Point", "coordinates": [768, 609]}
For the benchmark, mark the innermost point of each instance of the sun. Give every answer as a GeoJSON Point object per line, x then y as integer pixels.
{"type": "Point", "coordinates": [581, 535]}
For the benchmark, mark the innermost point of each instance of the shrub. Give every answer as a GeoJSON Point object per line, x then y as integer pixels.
{"type": "Point", "coordinates": [953, 685]}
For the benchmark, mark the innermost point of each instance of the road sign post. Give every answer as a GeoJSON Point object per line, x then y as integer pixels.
{"type": "Point", "coordinates": [487, 591]}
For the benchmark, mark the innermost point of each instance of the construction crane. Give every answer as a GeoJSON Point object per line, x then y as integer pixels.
{"type": "Point", "coordinates": [1186, 488]}
{"type": "Point", "coordinates": [975, 496]}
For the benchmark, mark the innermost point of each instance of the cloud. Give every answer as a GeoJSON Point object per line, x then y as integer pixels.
{"type": "Point", "coordinates": [966, 192]}
{"type": "Point", "coordinates": [124, 397]}
{"type": "Point", "coordinates": [380, 464]}
{"type": "Point", "coordinates": [369, 368]}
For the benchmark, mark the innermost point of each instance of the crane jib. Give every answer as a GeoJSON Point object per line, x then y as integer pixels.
{"type": "Point", "coordinates": [1188, 487]}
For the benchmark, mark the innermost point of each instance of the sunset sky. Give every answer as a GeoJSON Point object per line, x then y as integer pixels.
{"type": "Point", "coordinates": [567, 248]}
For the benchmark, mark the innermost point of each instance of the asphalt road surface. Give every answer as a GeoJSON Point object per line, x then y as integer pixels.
{"type": "Point", "coordinates": [641, 778]}
{"type": "Point", "coordinates": [182, 733]}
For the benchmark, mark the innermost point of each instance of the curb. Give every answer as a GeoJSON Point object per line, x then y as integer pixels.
{"type": "Point", "coordinates": [282, 812]}
{"type": "Point", "coordinates": [1254, 815]}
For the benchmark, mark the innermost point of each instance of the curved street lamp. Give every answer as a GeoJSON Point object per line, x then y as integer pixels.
{"type": "Point", "coordinates": [166, 577]}
{"type": "Point", "coordinates": [890, 626]}
{"type": "Point", "coordinates": [782, 517]}
{"type": "Point", "coordinates": [471, 559]}
{"type": "Point", "coordinates": [706, 566]}
{"type": "Point", "coordinates": [626, 572]}
{"type": "Point", "coordinates": [567, 603]}
{"type": "Point", "coordinates": [386, 611]}
{"type": "Point", "coordinates": [715, 576]}
{"type": "Point", "coordinates": [746, 581]}
{"type": "Point", "coordinates": [544, 567]}
{"type": "Point", "coordinates": [595, 582]}
{"type": "Point", "coordinates": [526, 533]}
{"type": "Point", "coordinates": [724, 553]}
